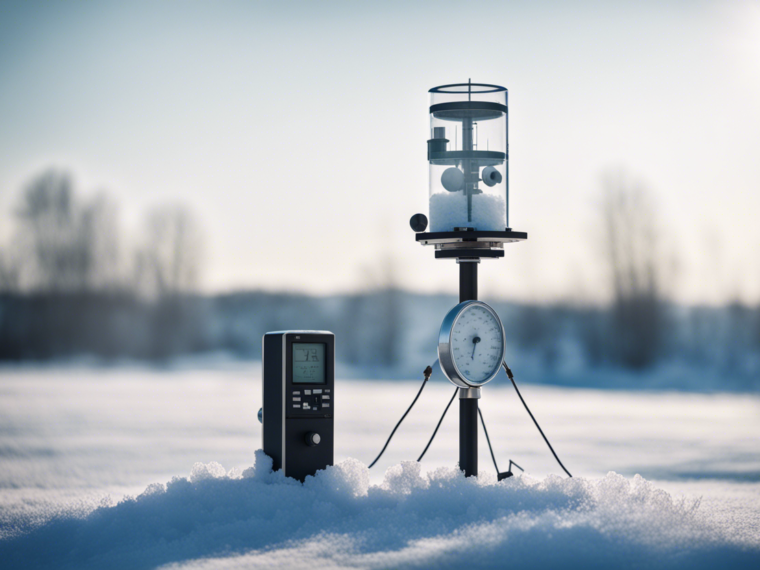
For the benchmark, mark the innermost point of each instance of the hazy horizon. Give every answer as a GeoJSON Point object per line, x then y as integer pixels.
{"type": "Point", "coordinates": [296, 131]}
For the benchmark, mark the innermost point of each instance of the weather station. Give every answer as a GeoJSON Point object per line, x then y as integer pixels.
{"type": "Point", "coordinates": [468, 153]}
{"type": "Point", "coordinates": [468, 156]}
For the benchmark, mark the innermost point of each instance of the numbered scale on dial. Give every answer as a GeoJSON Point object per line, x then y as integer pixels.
{"type": "Point", "coordinates": [471, 344]}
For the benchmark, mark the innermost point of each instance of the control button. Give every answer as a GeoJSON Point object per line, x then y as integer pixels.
{"type": "Point", "coordinates": [324, 405]}
{"type": "Point", "coordinates": [296, 406]}
{"type": "Point", "coordinates": [312, 439]}
{"type": "Point", "coordinates": [327, 391]}
{"type": "Point", "coordinates": [316, 391]}
{"type": "Point", "coordinates": [306, 406]}
{"type": "Point", "coordinates": [296, 399]}
{"type": "Point", "coordinates": [296, 392]}
{"type": "Point", "coordinates": [325, 397]}
{"type": "Point", "coordinates": [307, 392]}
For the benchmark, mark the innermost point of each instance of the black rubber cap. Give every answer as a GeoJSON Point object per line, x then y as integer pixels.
{"type": "Point", "coordinates": [419, 222]}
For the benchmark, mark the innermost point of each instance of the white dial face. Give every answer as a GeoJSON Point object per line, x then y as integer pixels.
{"type": "Point", "coordinates": [477, 344]}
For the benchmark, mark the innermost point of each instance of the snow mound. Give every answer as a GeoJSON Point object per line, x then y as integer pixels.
{"type": "Point", "coordinates": [260, 519]}
{"type": "Point", "coordinates": [448, 210]}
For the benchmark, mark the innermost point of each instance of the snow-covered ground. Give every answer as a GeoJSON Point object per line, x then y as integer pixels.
{"type": "Point", "coordinates": [114, 468]}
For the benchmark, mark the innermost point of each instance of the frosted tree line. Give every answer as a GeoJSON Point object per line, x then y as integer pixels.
{"type": "Point", "coordinates": [69, 284]}
{"type": "Point", "coordinates": [67, 244]}
{"type": "Point", "coordinates": [72, 283]}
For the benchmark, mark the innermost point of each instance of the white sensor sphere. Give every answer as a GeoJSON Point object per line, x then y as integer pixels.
{"type": "Point", "coordinates": [491, 176]}
{"type": "Point", "coordinates": [452, 179]}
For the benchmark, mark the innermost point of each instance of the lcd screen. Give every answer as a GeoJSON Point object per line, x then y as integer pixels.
{"type": "Point", "coordinates": [308, 363]}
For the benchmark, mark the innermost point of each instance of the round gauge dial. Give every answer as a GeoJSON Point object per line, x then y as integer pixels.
{"type": "Point", "coordinates": [471, 344]}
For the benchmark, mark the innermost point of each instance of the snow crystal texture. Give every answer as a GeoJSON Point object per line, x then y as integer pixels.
{"type": "Point", "coordinates": [448, 210]}
{"type": "Point", "coordinates": [259, 519]}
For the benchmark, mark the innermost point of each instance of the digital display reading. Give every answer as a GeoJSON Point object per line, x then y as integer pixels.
{"type": "Point", "coordinates": [308, 363]}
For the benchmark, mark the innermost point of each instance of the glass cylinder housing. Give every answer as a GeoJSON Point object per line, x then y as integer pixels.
{"type": "Point", "coordinates": [468, 156]}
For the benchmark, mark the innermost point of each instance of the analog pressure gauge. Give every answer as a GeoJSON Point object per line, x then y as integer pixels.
{"type": "Point", "coordinates": [471, 344]}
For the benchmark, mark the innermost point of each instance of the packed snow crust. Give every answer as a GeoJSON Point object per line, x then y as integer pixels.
{"type": "Point", "coordinates": [260, 519]}
{"type": "Point", "coordinates": [448, 210]}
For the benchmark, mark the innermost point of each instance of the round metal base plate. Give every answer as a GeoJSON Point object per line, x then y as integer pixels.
{"type": "Point", "coordinates": [434, 238]}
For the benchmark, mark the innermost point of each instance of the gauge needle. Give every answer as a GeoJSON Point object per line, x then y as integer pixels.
{"type": "Point", "coordinates": [475, 342]}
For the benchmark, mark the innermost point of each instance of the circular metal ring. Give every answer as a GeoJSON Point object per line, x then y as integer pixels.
{"type": "Point", "coordinates": [445, 354]}
{"type": "Point", "coordinates": [482, 88]}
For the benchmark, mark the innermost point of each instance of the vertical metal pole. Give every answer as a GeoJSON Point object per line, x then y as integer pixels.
{"type": "Point", "coordinates": [470, 181]}
{"type": "Point", "coordinates": [468, 431]}
{"type": "Point", "coordinates": [468, 398]}
{"type": "Point", "coordinates": [468, 280]}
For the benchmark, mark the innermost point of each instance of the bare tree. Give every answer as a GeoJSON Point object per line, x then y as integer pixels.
{"type": "Point", "coordinates": [388, 309]}
{"type": "Point", "coordinates": [631, 238]}
{"type": "Point", "coordinates": [68, 244]}
{"type": "Point", "coordinates": [99, 225]}
{"type": "Point", "coordinates": [169, 261]}
{"type": "Point", "coordinates": [632, 250]}
{"type": "Point", "coordinates": [381, 305]}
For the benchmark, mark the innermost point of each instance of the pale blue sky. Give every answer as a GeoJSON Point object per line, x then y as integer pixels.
{"type": "Point", "coordinates": [296, 131]}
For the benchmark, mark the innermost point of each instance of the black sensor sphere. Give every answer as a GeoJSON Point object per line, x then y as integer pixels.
{"type": "Point", "coordinates": [419, 222]}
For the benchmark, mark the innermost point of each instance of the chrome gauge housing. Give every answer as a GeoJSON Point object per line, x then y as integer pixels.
{"type": "Point", "coordinates": [471, 344]}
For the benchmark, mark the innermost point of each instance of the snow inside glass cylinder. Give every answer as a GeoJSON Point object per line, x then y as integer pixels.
{"type": "Point", "coordinates": [467, 151]}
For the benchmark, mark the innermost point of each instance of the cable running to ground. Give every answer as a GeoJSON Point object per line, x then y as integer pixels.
{"type": "Point", "coordinates": [527, 409]}
{"type": "Point", "coordinates": [499, 475]}
{"type": "Point", "coordinates": [428, 371]}
{"type": "Point", "coordinates": [432, 437]}
{"type": "Point", "coordinates": [488, 439]}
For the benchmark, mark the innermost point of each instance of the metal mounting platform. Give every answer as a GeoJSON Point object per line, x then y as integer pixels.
{"type": "Point", "coordinates": [436, 238]}
{"type": "Point", "coordinates": [474, 253]}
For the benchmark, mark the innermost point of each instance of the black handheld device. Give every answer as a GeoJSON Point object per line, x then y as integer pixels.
{"type": "Point", "coordinates": [298, 387]}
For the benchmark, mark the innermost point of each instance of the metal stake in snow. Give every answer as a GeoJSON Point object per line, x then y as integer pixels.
{"type": "Point", "coordinates": [469, 207]}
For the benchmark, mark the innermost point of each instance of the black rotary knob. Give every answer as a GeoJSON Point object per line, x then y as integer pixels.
{"type": "Point", "coordinates": [419, 222]}
{"type": "Point", "coordinates": [312, 439]}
